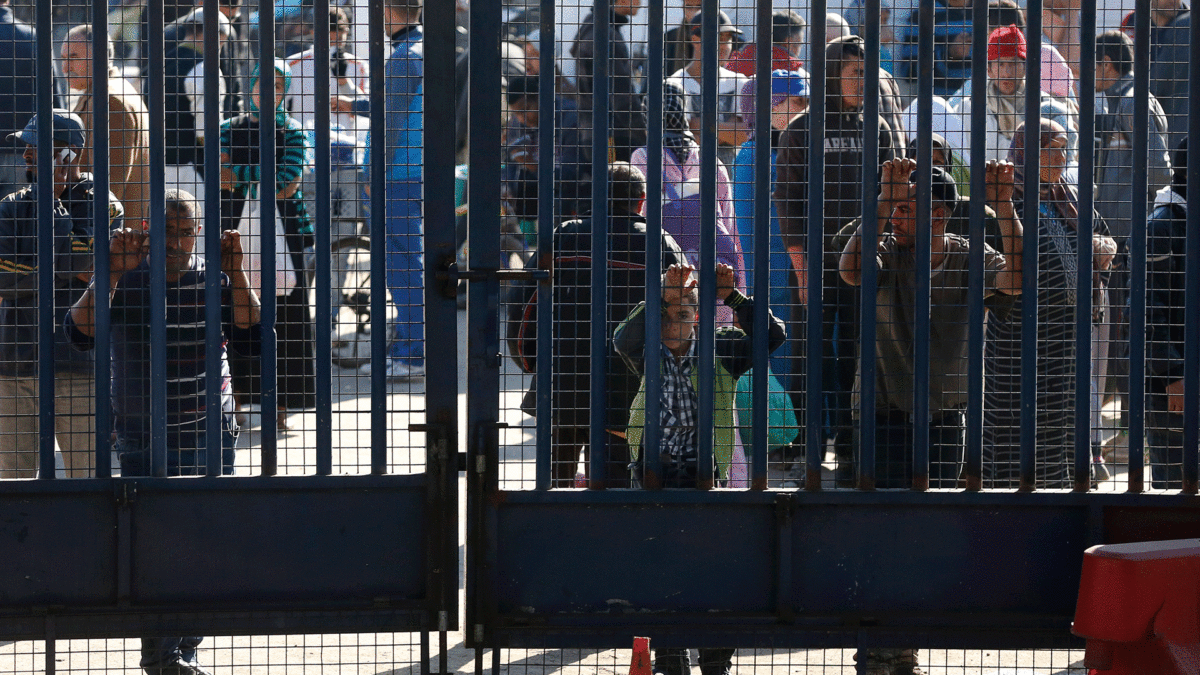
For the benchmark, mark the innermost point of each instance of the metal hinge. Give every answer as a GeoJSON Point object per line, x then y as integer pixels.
{"type": "Point", "coordinates": [443, 620]}
{"type": "Point", "coordinates": [478, 633]}
{"type": "Point", "coordinates": [480, 464]}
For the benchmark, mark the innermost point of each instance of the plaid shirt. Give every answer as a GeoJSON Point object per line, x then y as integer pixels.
{"type": "Point", "coordinates": [679, 408]}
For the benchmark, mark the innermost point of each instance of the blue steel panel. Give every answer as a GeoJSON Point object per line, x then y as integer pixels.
{"type": "Point", "coordinates": [323, 312]}
{"type": "Point", "coordinates": [203, 547]}
{"type": "Point", "coordinates": [597, 469]}
{"type": "Point", "coordinates": [1083, 311]}
{"type": "Point", "coordinates": [58, 548]}
{"type": "Point", "coordinates": [100, 234]}
{"type": "Point", "coordinates": [648, 557]}
{"type": "Point", "coordinates": [814, 443]}
{"type": "Point", "coordinates": [45, 254]}
{"type": "Point", "coordinates": [922, 558]}
{"type": "Point", "coordinates": [212, 250]}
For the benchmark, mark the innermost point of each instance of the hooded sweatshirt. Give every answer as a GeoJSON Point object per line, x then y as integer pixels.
{"type": "Point", "coordinates": [843, 144]}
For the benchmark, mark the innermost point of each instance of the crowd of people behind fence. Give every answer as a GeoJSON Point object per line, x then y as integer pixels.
{"type": "Point", "coordinates": [844, 229]}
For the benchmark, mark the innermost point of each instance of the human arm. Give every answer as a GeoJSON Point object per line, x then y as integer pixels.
{"type": "Point", "coordinates": [247, 311]}
{"type": "Point", "coordinates": [1104, 249]}
{"type": "Point", "coordinates": [998, 181]}
{"type": "Point", "coordinates": [735, 346]}
{"type": "Point", "coordinates": [791, 197]}
{"type": "Point", "coordinates": [629, 339]}
{"type": "Point", "coordinates": [893, 188]}
{"type": "Point", "coordinates": [293, 160]}
{"type": "Point", "coordinates": [126, 249]}
{"type": "Point", "coordinates": [124, 144]}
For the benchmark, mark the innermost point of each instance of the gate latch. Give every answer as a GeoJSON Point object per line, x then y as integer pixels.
{"type": "Point", "coordinates": [451, 275]}
{"type": "Point", "coordinates": [125, 492]}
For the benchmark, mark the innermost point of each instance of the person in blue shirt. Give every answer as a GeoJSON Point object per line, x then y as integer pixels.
{"type": "Point", "coordinates": [789, 97]}
{"type": "Point", "coordinates": [403, 138]}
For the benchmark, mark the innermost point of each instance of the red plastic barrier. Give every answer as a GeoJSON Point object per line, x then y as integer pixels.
{"type": "Point", "coordinates": [1139, 608]}
{"type": "Point", "coordinates": [640, 663]}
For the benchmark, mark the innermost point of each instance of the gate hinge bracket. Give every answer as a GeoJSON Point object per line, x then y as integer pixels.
{"type": "Point", "coordinates": [443, 620]}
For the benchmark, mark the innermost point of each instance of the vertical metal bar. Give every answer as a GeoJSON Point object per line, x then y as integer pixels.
{"type": "Point", "coordinates": [379, 325]}
{"type": "Point", "coordinates": [1029, 299]}
{"type": "Point", "coordinates": [921, 412]}
{"type": "Point", "coordinates": [441, 310]}
{"type": "Point", "coordinates": [424, 647]}
{"type": "Point", "coordinates": [706, 340]}
{"type": "Point", "coordinates": [762, 246]}
{"type": "Point", "coordinates": [815, 414]}
{"type": "Point", "coordinates": [1136, 438]}
{"type": "Point", "coordinates": [267, 188]}
{"type": "Point", "coordinates": [547, 150]}
{"type": "Point", "coordinates": [45, 227]}
{"type": "Point", "coordinates": [100, 235]}
{"type": "Point", "coordinates": [973, 468]}
{"type": "Point", "coordinates": [212, 245]}
{"type": "Point", "coordinates": [869, 290]}
{"type": "Point", "coordinates": [443, 648]}
{"type": "Point", "coordinates": [323, 282]}
{"type": "Point", "coordinates": [599, 334]}
{"type": "Point", "coordinates": [483, 384]}
{"type": "Point", "coordinates": [1191, 349]}
{"type": "Point", "coordinates": [1083, 310]}
{"type": "Point", "coordinates": [51, 660]}
{"type": "Point", "coordinates": [652, 438]}
{"type": "Point", "coordinates": [158, 244]}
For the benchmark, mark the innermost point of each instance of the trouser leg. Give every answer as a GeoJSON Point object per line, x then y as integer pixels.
{"type": "Point", "coordinates": [18, 427]}
{"type": "Point", "coordinates": [716, 661]}
{"type": "Point", "coordinates": [75, 422]}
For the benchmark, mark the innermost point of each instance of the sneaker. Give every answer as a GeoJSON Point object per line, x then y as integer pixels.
{"type": "Point", "coordinates": [891, 662]}
{"type": "Point", "coordinates": [182, 668]}
{"type": "Point", "coordinates": [396, 370]}
{"type": "Point", "coordinates": [1100, 470]}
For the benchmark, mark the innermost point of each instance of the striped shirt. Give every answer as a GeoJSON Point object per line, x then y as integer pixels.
{"type": "Point", "coordinates": [186, 374]}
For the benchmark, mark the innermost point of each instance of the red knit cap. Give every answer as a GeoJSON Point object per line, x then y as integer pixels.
{"type": "Point", "coordinates": [1006, 43]}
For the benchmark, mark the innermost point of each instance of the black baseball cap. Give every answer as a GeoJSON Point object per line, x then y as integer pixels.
{"type": "Point", "coordinates": [944, 189]}
{"type": "Point", "coordinates": [68, 129]}
{"type": "Point", "coordinates": [724, 25]}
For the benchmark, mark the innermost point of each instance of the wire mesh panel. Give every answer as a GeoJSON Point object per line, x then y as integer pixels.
{"type": "Point", "coordinates": [346, 653]}
{"type": "Point", "coordinates": [224, 274]}
{"type": "Point", "coordinates": [764, 660]}
{"type": "Point", "coordinates": [1020, 381]}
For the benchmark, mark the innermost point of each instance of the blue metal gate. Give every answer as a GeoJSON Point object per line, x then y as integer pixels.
{"type": "Point", "coordinates": [354, 533]}
{"type": "Point", "coordinates": [804, 566]}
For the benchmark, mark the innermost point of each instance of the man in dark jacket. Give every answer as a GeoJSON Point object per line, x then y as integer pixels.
{"type": "Point", "coordinates": [1115, 194]}
{"type": "Point", "coordinates": [571, 262]}
{"type": "Point", "coordinates": [1166, 258]}
{"type": "Point", "coordinates": [627, 121]}
{"type": "Point", "coordinates": [19, 309]}
{"type": "Point", "coordinates": [1170, 57]}
{"type": "Point", "coordinates": [844, 179]}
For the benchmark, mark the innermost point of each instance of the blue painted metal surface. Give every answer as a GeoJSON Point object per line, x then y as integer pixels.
{"type": "Point", "coordinates": [296, 554]}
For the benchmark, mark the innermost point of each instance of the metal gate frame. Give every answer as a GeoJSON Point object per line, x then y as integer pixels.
{"type": "Point", "coordinates": [118, 557]}
{"type": "Point", "coordinates": [579, 569]}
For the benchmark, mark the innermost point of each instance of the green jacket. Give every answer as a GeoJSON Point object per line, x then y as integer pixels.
{"type": "Point", "coordinates": [733, 359]}
{"type": "Point", "coordinates": [724, 386]}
